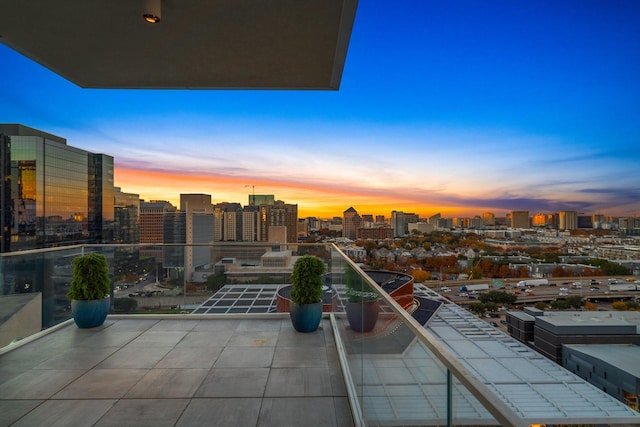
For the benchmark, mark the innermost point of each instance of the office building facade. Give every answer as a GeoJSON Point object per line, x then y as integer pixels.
{"type": "Point", "coordinates": [53, 194]}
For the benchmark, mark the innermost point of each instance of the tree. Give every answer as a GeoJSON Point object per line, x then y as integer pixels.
{"type": "Point", "coordinates": [491, 306]}
{"type": "Point", "coordinates": [420, 275]}
{"type": "Point", "coordinates": [575, 301]}
{"type": "Point", "coordinates": [589, 306]}
{"type": "Point", "coordinates": [498, 297]}
{"type": "Point", "coordinates": [477, 308]}
{"type": "Point", "coordinates": [560, 304]}
{"type": "Point", "coordinates": [632, 305]}
{"type": "Point", "coordinates": [540, 305]}
{"type": "Point", "coordinates": [619, 306]}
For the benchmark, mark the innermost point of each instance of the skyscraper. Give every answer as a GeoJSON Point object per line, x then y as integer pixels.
{"type": "Point", "coordinates": [52, 193]}
{"type": "Point", "coordinates": [520, 219]}
{"type": "Point", "coordinates": [568, 220]}
{"type": "Point", "coordinates": [351, 222]}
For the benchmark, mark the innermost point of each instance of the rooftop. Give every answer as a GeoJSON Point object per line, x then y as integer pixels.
{"type": "Point", "coordinates": [179, 371]}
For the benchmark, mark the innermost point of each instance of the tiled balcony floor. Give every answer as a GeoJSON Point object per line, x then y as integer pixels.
{"type": "Point", "coordinates": [176, 372]}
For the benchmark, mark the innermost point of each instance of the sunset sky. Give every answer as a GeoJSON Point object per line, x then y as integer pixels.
{"type": "Point", "coordinates": [458, 107]}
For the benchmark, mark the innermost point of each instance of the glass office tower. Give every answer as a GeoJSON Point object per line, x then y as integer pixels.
{"type": "Point", "coordinates": [59, 194]}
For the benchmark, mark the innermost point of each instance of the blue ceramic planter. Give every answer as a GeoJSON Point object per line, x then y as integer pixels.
{"type": "Point", "coordinates": [90, 314]}
{"type": "Point", "coordinates": [305, 317]}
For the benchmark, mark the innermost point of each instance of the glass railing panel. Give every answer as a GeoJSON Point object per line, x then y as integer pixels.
{"type": "Point", "coordinates": [219, 278]}
{"type": "Point", "coordinates": [396, 378]}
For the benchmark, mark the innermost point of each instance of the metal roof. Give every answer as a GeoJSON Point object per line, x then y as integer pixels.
{"type": "Point", "coordinates": [285, 44]}
{"type": "Point", "coordinates": [537, 389]}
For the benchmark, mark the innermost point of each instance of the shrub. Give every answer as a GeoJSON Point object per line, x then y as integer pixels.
{"type": "Point", "coordinates": [306, 280]}
{"type": "Point", "coordinates": [90, 280]}
{"type": "Point", "coordinates": [619, 305]}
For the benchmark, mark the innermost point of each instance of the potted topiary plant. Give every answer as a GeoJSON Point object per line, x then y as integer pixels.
{"type": "Point", "coordinates": [306, 293]}
{"type": "Point", "coordinates": [89, 290]}
{"type": "Point", "coordinates": [362, 302]}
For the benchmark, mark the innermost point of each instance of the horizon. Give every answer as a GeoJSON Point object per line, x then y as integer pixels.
{"type": "Point", "coordinates": [456, 108]}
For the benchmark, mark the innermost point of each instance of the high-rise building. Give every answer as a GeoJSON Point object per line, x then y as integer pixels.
{"type": "Point", "coordinates": [568, 220]}
{"type": "Point", "coordinates": [101, 198]}
{"type": "Point", "coordinates": [251, 223]}
{"type": "Point", "coordinates": [228, 221]}
{"type": "Point", "coordinates": [280, 214]}
{"type": "Point", "coordinates": [400, 222]}
{"type": "Point", "coordinates": [52, 193]}
{"type": "Point", "coordinates": [488, 218]}
{"type": "Point", "coordinates": [199, 228]}
{"type": "Point", "coordinates": [520, 219]}
{"type": "Point", "coordinates": [351, 222]}
{"type": "Point", "coordinates": [152, 220]}
{"type": "Point", "coordinates": [540, 220]}
{"type": "Point", "coordinates": [126, 217]}
{"type": "Point", "coordinates": [152, 224]}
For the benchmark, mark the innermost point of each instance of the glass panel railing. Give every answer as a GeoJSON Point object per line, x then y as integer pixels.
{"type": "Point", "coordinates": [397, 379]}
{"type": "Point", "coordinates": [222, 278]}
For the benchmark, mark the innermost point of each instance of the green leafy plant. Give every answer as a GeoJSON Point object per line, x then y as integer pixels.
{"type": "Point", "coordinates": [306, 280]}
{"type": "Point", "coordinates": [358, 290]}
{"type": "Point", "coordinates": [90, 280]}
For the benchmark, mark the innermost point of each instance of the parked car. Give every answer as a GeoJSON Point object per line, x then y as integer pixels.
{"type": "Point", "coordinates": [494, 324]}
{"type": "Point", "coordinates": [504, 322]}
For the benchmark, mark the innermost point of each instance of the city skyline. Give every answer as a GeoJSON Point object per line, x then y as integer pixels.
{"type": "Point", "coordinates": [456, 108]}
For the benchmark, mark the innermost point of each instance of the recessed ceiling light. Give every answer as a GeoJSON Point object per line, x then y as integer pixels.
{"type": "Point", "coordinates": [150, 18]}
{"type": "Point", "coordinates": [151, 11]}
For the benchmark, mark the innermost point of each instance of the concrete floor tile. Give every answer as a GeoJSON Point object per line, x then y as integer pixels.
{"type": "Point", "coordinates": [102, 384]}
{"type": "Point", "coordinates": [234, 382]}
{"type": "Point", "coordinates": [241, 357]}
{"type": "Point", "coordinates": [168, 383]}
{"type": "Point", "coordinates": [221, 412]}
{"type": "Point", "coordinates": [66, 413]}
{"type": "Point", "coordinates": [250, 325]}
{"type": "Point", "coordinates": [184, 357]}
{"type": "Point", "coordinates": [293, 382]}
{"type": "Point", "coordinates": [217, 325]}
{"type": "Point", "coordinates": [254, 339]}
{"type": "Point", "coordinates": [289, 337]}
{"type": "Point", "coordinates": [133, 357]}
{"type": "Point", "coordinates": [78, 358]}
{"type": "Point", "coordinates": [13, 410]}
{"type": "Point", "coordinates": [109, 338]}
{"type": "Point", "coordinates": [133, 324]}
{"type": "Point", "coordinates": [205, 339]}
{"type": "Point", "coordinates": [38, 383]}
{"type": "Point", "coordinates": [158, 339]}
{"type": "Point", "coordinates": [300, 357]}
{"type": "Point", "coordinates": [165, 325]}
{"type": "Point", "coordinates": [344, 416]}
{"type": "Point", "coordinates": [297, 411]}
{"type": "Point", "coordinates": [144, 413]}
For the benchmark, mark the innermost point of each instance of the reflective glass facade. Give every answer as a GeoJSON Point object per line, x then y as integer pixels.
{"type": "Point", "coordinates": [58, 194]}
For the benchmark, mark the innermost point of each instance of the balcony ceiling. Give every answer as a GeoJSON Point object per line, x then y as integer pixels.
{"type": "Point", "coordinates": [198, 44]}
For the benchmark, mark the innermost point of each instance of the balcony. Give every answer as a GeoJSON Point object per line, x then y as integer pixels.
{"type": "Point", "coordinates": [229, 358]}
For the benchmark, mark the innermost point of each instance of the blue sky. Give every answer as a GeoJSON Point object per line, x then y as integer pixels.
{"type": "Point", "coordinates": [457, 107]}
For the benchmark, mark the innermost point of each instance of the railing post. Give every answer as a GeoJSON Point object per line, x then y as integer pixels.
{"type": "Point", "coordinates": [449, 399]}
